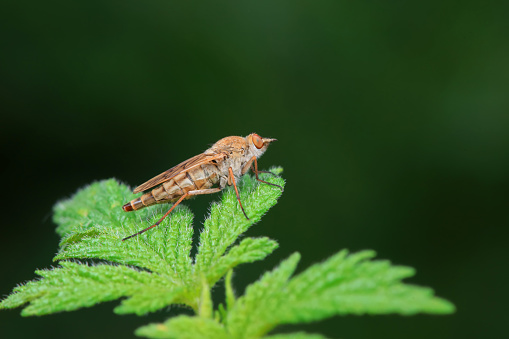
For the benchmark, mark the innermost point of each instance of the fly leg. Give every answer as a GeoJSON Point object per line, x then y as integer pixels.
{"type": "Point", "coordinates": [188, 194]}
{"type": "Point", "coordinates": [255, 170]}
{"type": "Point", "coordinates": [231, 180]}
{"type": "Point", "coordinates": [268, 172]}
{"type": "Point", "coordinates": [249, 164]}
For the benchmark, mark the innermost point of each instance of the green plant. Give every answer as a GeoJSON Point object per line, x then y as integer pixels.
{"type": "Point", "coordinates": [156, 269]}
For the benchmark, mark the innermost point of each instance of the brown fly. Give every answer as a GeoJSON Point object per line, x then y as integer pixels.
{"type": "Point", "coordinates": [210, 172]}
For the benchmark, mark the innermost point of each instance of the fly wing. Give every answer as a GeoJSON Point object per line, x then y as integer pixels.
{"type": "Point", "coordinates": [185, 166]}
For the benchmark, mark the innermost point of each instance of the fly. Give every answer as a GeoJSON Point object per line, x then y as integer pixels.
{"type": "Point", "coordinates": [210, 172]}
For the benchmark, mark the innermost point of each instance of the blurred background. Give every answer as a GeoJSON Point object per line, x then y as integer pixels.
{"type": "Point", "coordinates": [392, 119]}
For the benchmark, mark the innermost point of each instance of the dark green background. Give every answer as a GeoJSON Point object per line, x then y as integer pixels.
{"type": "Point", "coordinates": [392, 119]}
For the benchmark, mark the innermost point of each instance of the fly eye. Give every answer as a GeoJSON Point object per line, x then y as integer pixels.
{"type": "Point", "coordinates": [257, 141]}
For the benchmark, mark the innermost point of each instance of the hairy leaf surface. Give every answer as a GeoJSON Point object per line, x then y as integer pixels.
{"type": "Point", "coordinates": [152, 270]}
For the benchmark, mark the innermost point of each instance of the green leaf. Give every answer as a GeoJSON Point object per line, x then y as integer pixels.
{"type": "Point", "coordinates": [164, 249]}
{"type": "Point", "coordinates": [152, 270]}
{"type": "Point", "coordinates": [344, 284]}
{"type": "Point", "coordinates": [253, 313]}
{"type": "Point", "coordinates": [184, 327]}
{"type": "Point", "coordinates": [229, 293]}
{"type": "Point", "coordinates": [352, 284]}
{"type": "Point", "coordinates": [155, 269]}
{"type": "Point", "coordinates": [249, 250]}
{"type": "Point", "coordinates": [74, 285]}
{"type": "Point", "coordinates": [97, 203]}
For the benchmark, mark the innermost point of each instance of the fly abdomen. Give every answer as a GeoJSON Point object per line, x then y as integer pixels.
{"type": "Point", "coordinates": [145, 200]}
{"type": "Point", "coordinates": [167, 192]}
{"type": "Point", "coordinates": [201, 178]}
{"type": "Point", "coordinates": [133, 205]}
